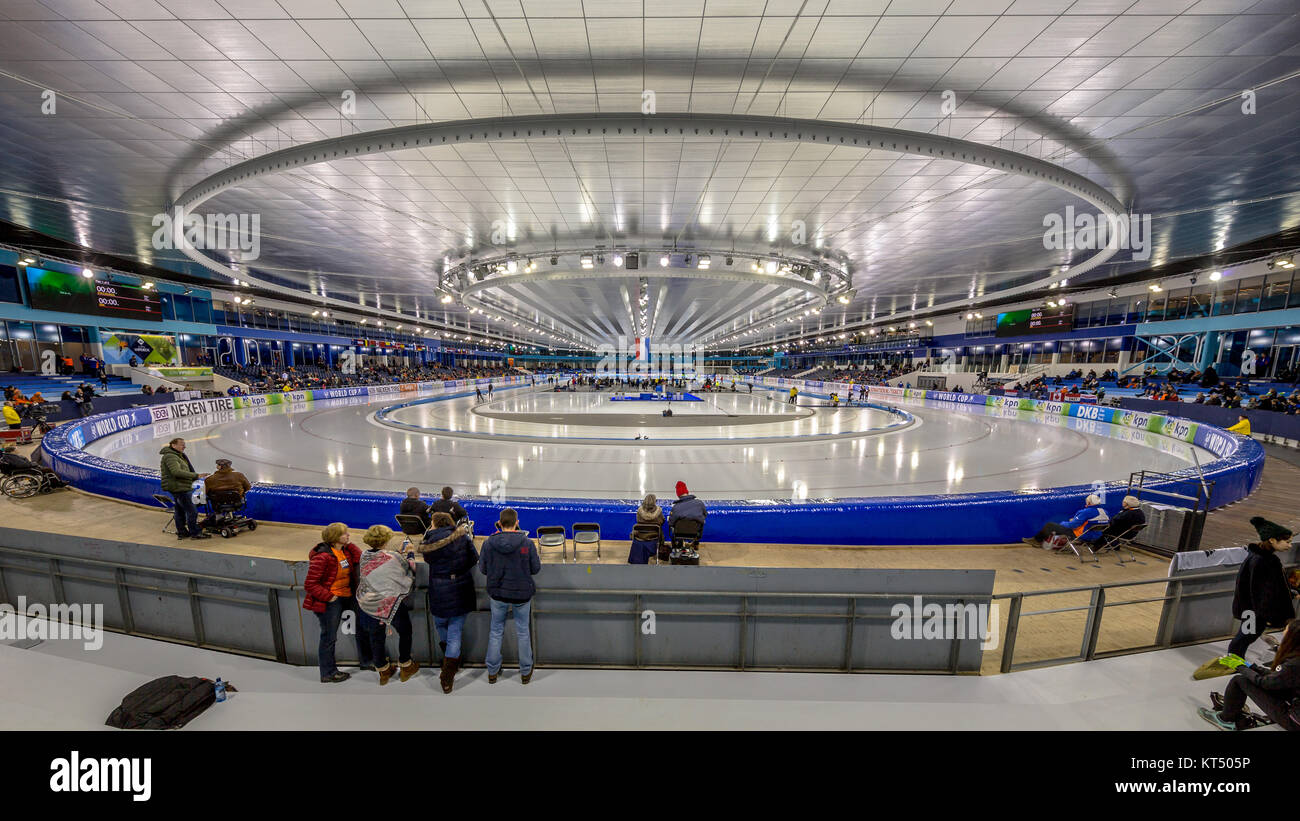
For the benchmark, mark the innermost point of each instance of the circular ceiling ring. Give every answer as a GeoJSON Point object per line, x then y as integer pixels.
{"type": "Point", "coordinates": [733, 126]}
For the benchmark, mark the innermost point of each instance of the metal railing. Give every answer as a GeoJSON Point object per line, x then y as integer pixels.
{"type": "Point", "coordinates": [58, 574]}
{"type": "Point", "coordinates": [750, 609]}
{"type": "Point", "coordinates": [1172, 602]}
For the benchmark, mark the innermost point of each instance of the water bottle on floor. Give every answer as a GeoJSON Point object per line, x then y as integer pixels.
{"type": "Point", "coordinates": [221, 690]}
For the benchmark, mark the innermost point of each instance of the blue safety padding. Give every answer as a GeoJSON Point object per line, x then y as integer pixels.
{"type": "Point", "coordinates": [996, 517]}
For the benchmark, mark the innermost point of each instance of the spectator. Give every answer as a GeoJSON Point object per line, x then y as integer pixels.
{"type": "Point", "coordinates": [509, 562]}
{"type": "Point", "coordinates": [15, 462]}
{"type": "Point", "coordinates": [178, 477]}
{"type": "Point", "coordinates": [1275, 688]}
{"type": "Point", "coordinates": [67, 395]}
{"type": "Point", "coordinates": [649, 512]}
{"type": "Point", "coordinates": [103, 379]}
{"type": "Point", "coordinates": [1262, 598]}
{"type": "Point", "coordinates": [1087, 523]}
{"type": "Point", "coordinates": [1129, 517]}
{"type": "Point", "coordinates": [686, 507]}
{"type": "Point", "coordinates": [383, 599]}
{"type": "Point", "coordinates": [413, 505]}
{"type": "Point", "coordinates": [146, 390]}
{"type": "Point", "coordinates": [328, 591]}
{"type": "Point", "coordinates": [447, 504]}
{"type": "Point", "coordinates": [1242, 427]}
{"type": "Point", "coordinates": [12, 419]}
{"type": "Point", "coordinates": [226, 478]}
{"type": "Point", "coordinates": [449, 552]}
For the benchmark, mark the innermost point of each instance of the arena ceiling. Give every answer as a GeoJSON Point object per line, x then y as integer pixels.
{"type": "Point", "coordinates": [1141, 97]}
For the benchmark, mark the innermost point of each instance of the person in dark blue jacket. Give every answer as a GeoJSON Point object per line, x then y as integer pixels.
{"type": "Point", "coordinates": [686, 507]}
{"type": "Point", "coordinates": [1088, 524]}
{"type": "Point", "coordinates": [509, 562]}
{"type": "Point", "coordinates": [449, 552]}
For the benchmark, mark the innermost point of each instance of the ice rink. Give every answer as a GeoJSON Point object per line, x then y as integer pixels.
{"type": "Point", "coordinates": [821, 453]}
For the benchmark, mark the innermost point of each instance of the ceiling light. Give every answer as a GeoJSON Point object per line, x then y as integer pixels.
{"type": "Point", "coordinates": [663, 261]}
{"type": "Point", "coordinates": [970, 316]}
{"type": "Point", "coordinates": [363, 322]}
{"type": "Point", "coordinates": [1051, 304]}
{"type": "Point", "coordinates": [704, 262]}
{"type": "Point", "coordinates": [446, 298]}
{"type": "Point", "coordinates": [87, 273]}
{"type": "Point", "coordinates": [1061, 302]}
{"type": "Point", "coordinates": [315, 313]}
{"type": "Point", "coordinates": [511, 266]}
{"type": "Point", "coordinates": [979, 315]}
{"type": "Point", "coordinates": [587, 261]}
{"type": "Point", "coordinates": [770, 267]}
{"type": "Point", "coordinates": [28, 261]}
{"type": "Point", "coordinates": [618, 260]}
{"type": "Point", "coordinates": [324, 313]}
{"type": "Point", "coordinates": [1155, 287]}
{"type": "Point", "coordinates": [1215, 276]}
{"type": "Point", "coordinates": [147, 285]}
{"type": "Point", "coordinates": [844, 299]}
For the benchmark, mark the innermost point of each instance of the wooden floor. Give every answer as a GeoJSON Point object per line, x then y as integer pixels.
{"type": "Point", "coordinates": [1018, 568]}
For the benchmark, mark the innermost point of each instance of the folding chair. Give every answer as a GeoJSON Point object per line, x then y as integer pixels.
{"type": "Point", "coordinates": [411, 524]}
{"type": "Point", "coordinates": [1121, 544]}
{"type": "Point", "coordinates": [554, 536]}
{"type": "Point", "coordinates": [1079, 545]}
{"type": "Point", "coordinates": [169, 505]}
{"type": "Point", "coordinates": [586, 533]}
{"type": "Point", "coordinates": [642, 532]}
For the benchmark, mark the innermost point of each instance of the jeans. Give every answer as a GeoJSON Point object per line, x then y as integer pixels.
{"type": "Point", "coordinates": [1242, 640]}
{"type": "Point", "coordinates": [1238, 690]}
{"type": "Point", "coordinates": [498, 630]}
{"type": "Point", "coordinates": [449, 631]}
{"type": "Point", "coordinates": [376, 631]}
{"type": "Point", "coordinates": [329, 633]}
{"type": "Point", "coordinates": [187, 515]}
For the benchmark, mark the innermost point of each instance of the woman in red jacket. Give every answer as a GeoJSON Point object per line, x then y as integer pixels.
{"type": "Point", "coordinates": [331, 588]}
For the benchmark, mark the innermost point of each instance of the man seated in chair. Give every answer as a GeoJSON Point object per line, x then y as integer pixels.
{"type": "Point", "coordinates": [448, 504]}
{"type": "Point", "coordinates": [226, 478]}
{"type": "Point", "coordinates": [1129, 517]}
{"type": "Point", "coordinates": [12, 462]}
{"type": "Point", "coordinates": [686, 507]}
{"type": "Point", "coordinates": [1086, 524]}
{"type": "Point", "coordinates": [413, 505]}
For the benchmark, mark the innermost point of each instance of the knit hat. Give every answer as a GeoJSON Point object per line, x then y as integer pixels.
{"type": "Point", "coordinates": [1268, 530]}
{"type": "Point", "coordinates": [681, 489]}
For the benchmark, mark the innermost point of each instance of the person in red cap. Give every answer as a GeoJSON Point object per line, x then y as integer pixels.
{"type": "Point", "coordinates": [686, 507]}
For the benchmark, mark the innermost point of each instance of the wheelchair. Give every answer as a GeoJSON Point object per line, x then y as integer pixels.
{"type": "Point", "coordinates": [686, 542]}
{"type": "Point", "coordinates": [21, 483]}
{"type": "Point", "coordinates": [226, 514]}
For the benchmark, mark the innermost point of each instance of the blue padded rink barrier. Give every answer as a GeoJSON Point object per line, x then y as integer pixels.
{"type": "Point", "coordinates": [827, 476]}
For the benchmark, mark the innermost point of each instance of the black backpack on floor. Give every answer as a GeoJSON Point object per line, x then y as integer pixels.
{"type": "Point", "coordinates": [164, 704]}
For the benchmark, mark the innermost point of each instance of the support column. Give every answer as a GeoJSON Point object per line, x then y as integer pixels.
{"type": "Point", "coordinates": [1209, 350]}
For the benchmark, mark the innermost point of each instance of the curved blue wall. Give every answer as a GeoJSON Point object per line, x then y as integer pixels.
{"type": "Point", "coordinates": [969, 518]}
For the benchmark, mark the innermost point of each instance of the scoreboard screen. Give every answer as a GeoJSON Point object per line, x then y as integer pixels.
{"type": "Point", "coordinates": [74, 293]}
{"type": "Point", "coordinates": [1036, 321]}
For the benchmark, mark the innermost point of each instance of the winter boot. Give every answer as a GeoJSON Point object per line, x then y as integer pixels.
{"type": "Point", "coordinates": [449, 668]}
{"type": "Point", "coordinates": [386, 672]}
{"type": "Point", "coordinates": [409, 669]}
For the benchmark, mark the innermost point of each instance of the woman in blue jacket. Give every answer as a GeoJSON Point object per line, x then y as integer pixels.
{"type": "Point", "coordinates": [449, 552]}
{"type": "Point", "coordinates": [1088, 524]}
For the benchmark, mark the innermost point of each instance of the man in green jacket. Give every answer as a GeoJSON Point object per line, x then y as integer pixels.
{"type": "Point", "coordinates": [178, 477]}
